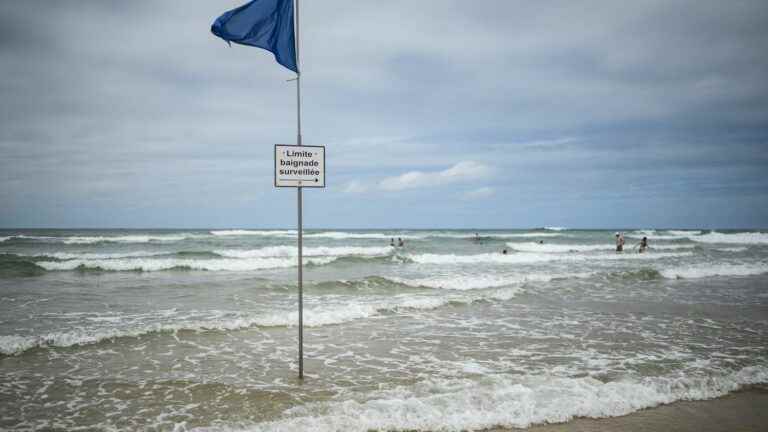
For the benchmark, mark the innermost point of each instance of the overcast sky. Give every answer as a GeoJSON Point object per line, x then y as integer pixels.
{"type": "Point", "coordinates": [433, 113]}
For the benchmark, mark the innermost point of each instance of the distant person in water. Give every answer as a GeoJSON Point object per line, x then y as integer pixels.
{"type": "Point", "coordinates": [400, 242]}
{"type": "Point", "coordinates": [643, 245]}
{"type": "Point", "coordinates": [504, 252]}
{"type": "Point", "coordinates": [392, 242]}
{"type": "Point", "coordinates": [619, 242]}
{"type": "Point", "coordinates": [541, 241]}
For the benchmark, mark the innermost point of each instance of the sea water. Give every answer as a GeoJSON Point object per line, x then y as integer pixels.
{"type": "Point", "coordinates": [197, 329]}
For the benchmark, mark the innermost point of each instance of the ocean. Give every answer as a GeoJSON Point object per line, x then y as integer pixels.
{"type": "Point", "coordinates": [197, 329]}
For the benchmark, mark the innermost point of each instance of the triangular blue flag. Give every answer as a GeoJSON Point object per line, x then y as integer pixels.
{"type": "Point", "coordinates": [266, 24]}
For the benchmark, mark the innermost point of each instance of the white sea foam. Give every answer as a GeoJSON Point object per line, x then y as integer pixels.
{"type": "Point", "coordinates": [14, 344]}
{"type": "Point", "coordinates": [664, 235]}
{"type": "Point", "coordinates": [698, 236]}
{"type": "Point", "coordinates": [737, 238]}
{"type": "Point", "coordinates": [528, 234]}
{"type": "Point", "coordinates": [110, 239]}
{"type": "Point", "coordinates": [497, 400]}
{"type": "Point", "coordinates": [291, 251]}
{"type": "Point", "coordinates": [687, 233]}
{"type": "Point", "coordinates": [487, 258]}
{"type": "Point", "coordinates": [698, 271]}
{"type": "Point", "coordinates": [340, 313]}
{"type": "Point", "coordinates": [125, 239]}
{"type": "Point", "coordinates": [331, 313]}
{"type": "Point", "coordinates": [563, 248]}
{"type": "Point", "coordinates": [530, 258]}
{"type": "Point", "coordinates": [486, 234]}
{"type": "Point", "coordinates": [158, 264]}
{"type": "Point", "coordinates": [97, 256]}
{"type": "Point", "coordinates": [2, 239]}
{"type": "Point", "coordinates": [654, 246]}
{"type": "Point", "coordinates": [267, 252]}
{"type": "Point", "coordinates": [26, 237]}
{"type": "Point", "coordinates": [633, 256]}
{"type": "Point", "coordinates": [319, 316]}
{"type": "Point", "coordinates": [555, 228]}
{"type": "Point", "coordinates": [336, 235]}
{"type": "Point", "coordinates": [652, 237]}
{"type": "Point", "coordinates": [559, 248]}
{"type": "Point", "coordinates": [460, 282]}
{"type": "Point", "coordinates": [213, 320]}
{"type": "Point", "coordinates": [264, 233]}
{"type": "Point", "coordinates": [732, 249]}
{"type": "Point", "coordinates": [484, 280]}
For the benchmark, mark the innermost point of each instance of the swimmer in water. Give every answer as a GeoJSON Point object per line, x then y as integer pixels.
{"type": "Point", "coordinates": [643, 245]}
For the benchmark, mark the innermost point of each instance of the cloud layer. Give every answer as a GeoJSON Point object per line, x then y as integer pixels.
{"type": "Point", "coordinates": [597, 114]}
{"type": "Point", "coordinates": [461, 172]}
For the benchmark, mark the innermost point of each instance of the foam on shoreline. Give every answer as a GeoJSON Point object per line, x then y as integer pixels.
{"type": "Point", "coordinates": [507, 401]}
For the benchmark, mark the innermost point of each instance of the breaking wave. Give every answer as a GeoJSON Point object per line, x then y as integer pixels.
{"type": "Point", "coordinates": [684, 232]}
{"type": "Point", "coordinates": [159, 264]}
{"type": "Point", "coordinates": [266, 252]}
{"type": "Point", "coordinates": [732, 249]}
{"type": "Point", "coordinates": [642, 274]}
{"type": "Point", "coordinates": [12, 266]}
{"type": "Point", "coordinates": [335, 235]}
{"type": "Point", "coordinates": [530, 258]}
{"type": "Point", "coordinates": [564, 248]}
{"type": "Point", "coordinates": [101, 256]}
{"type": "Point", "coordinates": [701, 237]}
{"type": "Point", "coordinates": [502, 401]}
{"type": "Point", "coordinates": [735, 238]}
{"type": "Point", "coordinates": [159, 238]}
{"type": "Point", "coordinates": [291, 251]}
{"type": "Point", "coordinates": [264, 233]}
{"type": "Point", "coordinates": [710, 270]}
{"type": "Point", "coordinates": [223, 260]}
{"type": "Point", "coordinates": [329, 314]}
{"type": "Point", "coordinates": [484, 281]}
{"type": "Point", "coordinates": [529, 234]}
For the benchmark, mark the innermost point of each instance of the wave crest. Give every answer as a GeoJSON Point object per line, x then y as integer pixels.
{"type": "Point", "coordinates": [757, 238]}
{"type": "Point", "coordinates": [710, 270]}
{"type": "Point", "coordinates": [160, 264]}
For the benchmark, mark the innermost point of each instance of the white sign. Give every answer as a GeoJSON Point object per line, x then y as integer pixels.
{"type": "Point", "coordinates": [299, 166]}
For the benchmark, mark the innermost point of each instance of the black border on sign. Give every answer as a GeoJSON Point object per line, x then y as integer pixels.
{"type": "Point", "coordinates": [274, 166]}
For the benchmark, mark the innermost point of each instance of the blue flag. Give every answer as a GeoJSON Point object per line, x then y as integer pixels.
{"type": "Point", "coordinates": [265, 24]}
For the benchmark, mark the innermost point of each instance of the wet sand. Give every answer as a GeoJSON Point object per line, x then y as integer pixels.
{"type": "Point", "coordinates": [737, 412]}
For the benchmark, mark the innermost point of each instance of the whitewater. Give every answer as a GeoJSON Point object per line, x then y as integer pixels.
{"type": "Point", "coordinates": [197, 329]}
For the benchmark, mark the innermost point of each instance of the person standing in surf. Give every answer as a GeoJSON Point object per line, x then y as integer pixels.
{"type": "Point", "coordinates": [619, 242]}
{"type": "Point", "coordinates": [643, 245]}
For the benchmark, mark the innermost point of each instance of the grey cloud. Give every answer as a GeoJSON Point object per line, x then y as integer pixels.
{"type": "Point", "coordinates": [602, 100]}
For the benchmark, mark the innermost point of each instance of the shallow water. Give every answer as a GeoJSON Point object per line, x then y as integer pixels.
{"type": "Point", "coordinates": [170, 329]}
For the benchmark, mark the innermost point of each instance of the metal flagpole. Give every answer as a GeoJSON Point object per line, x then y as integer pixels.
{"type": "Point", "coordinates": [299, 198]}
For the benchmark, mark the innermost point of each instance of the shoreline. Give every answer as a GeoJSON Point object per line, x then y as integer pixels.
{"type": "Point", "coordinates": [742, 411]}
